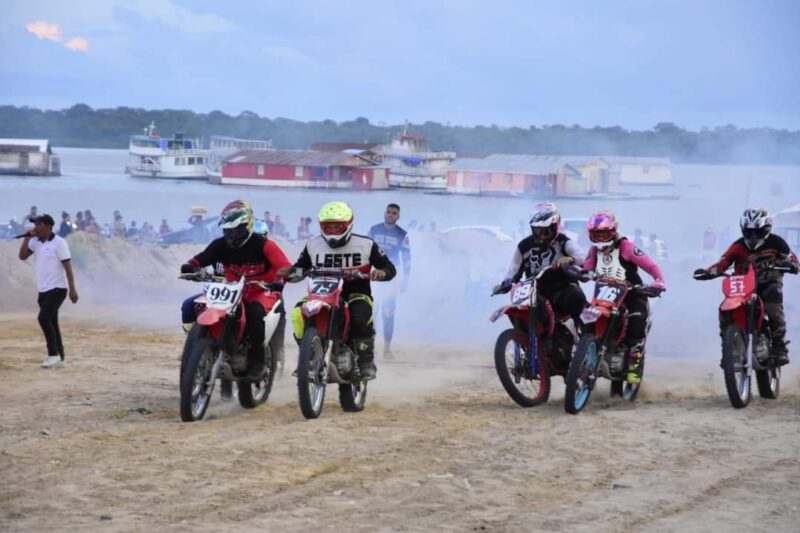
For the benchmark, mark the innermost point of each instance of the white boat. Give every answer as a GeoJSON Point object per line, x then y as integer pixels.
{"type": "Point", "coordinates": [175, 157]}
{"type": "Point", "coordinates": [413, 165]}
{"type": "Point", "coordinates": [222, 146]}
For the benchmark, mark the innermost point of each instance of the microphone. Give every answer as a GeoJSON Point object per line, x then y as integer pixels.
{"type": "Point", "coordinates": [21, 236]}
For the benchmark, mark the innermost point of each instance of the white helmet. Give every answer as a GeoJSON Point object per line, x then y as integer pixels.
{"type": "Point", "coordinates": [544, 222]}
{"type": "Point", "coordinates": [756, 225]}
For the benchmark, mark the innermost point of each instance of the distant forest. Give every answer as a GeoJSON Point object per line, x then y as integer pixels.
{"type": "Point", "coordinates": [82, 126]}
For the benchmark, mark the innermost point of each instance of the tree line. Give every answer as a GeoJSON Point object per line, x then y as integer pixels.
{"type": "Point", "coordinates": [82, 126]}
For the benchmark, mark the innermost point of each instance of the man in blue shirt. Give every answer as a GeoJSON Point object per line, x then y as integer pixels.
{"type": "Point", "coordinates": [393, 241]}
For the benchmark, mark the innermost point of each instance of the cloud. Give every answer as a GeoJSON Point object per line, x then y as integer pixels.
{"type": "Point", "coordinates": [45, 30]}
{"type": "Point", "coordinates": [78, 44]}
{"type": "Point", "coordinates": [167, 13]}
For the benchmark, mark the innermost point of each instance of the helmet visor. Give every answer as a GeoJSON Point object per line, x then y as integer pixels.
{"type": "Point", "coordinates": [333, 228]}
{"type": "Point", "coordinates": [753, 236]}
{"type": "Point", "coordinates": [544, 233]}
{"type": "Point", "coordinates": [236, 236]}
{"type": "Point", "coordinates": [601, 235]}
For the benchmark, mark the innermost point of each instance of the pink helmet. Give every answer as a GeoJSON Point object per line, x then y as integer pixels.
{"type": "Point", "coordinates": [603, 228]}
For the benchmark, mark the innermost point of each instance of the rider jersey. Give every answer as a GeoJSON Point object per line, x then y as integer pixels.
{"type": "Point", "coordinates": [774, 247]}
{"type": "Point", "coordinates": [259, 259]}
{"type": "Point", "coordinates": [394, 243]}
{"type": "Point", "coordinates": [621, 261]}
{"type": "Point", "coordinates": [360, 253]}
{"type": "Point", "coordinates": [531, 257]}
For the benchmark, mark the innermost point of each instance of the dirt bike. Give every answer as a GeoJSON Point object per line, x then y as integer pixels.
{"type": "Point", "coordinates": [601, 351]}
{"type": "Point", "coordinates": [746, 338]}
{"type": "Point", "coordinates": [529, 353]}
{"type": "Point", "coordinates": [217, 347]}
{"type": "Point", "coordinates": [326, 354]}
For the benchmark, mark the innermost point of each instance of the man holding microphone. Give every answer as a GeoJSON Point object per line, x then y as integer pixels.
{"type": "Point", "coordinates": [52, 263]}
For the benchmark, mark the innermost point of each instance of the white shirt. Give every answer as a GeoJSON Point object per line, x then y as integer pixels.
{"type": "Point", "coordinates": [49, 255]}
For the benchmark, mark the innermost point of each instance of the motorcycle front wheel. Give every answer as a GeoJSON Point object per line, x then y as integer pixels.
{"type": "Point", "coordinates": [734, 366]}
{"type": "Point", "coordinates": [196, 385]}
{"type": "Point", "coordinates": [511, 357]}
{"type": "Point", "coordinates": [581, 375]}
{"type": "Point", "coordinates": [311, 373]}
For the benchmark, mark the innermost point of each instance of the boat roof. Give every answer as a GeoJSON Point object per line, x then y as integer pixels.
{"type": "Point", "coordinates": [292, 157]}
{"type": "Point", "coordinates": [41, 145]}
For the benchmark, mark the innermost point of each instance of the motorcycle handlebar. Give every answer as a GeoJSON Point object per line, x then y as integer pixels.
{"type": "Point", "coordinates": [702, 274]}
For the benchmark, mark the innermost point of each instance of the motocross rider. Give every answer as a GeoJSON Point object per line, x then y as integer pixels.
{"type": "Point", "coordinates": [544, 249]}
{"type": "Point", "coordinates": [614, 256]}
{"type": "Point", "coordinates": [759, 246]}
{"type": "Point", "coordinates": [338, 247]}
{"type": "Point", "coordinates": [244, 252]}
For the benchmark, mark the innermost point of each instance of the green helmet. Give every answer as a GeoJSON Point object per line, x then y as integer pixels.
{"type": "Point", "coordinates": [336, 223]}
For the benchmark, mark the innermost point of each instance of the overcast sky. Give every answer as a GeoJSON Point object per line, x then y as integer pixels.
{"type": "Point", "coordinates": [590, 62]}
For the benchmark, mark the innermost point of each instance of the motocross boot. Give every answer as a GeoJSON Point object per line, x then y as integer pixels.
{"type": "Point", "coordinates": [635, 363]}
{"type": "Point", "coordinates": [779, 353]}
{"type": "Point", "coordinates": [365, 349]}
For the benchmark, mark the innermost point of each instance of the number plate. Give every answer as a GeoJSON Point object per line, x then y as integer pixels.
{"type": "Point", "coordinates": [608, 293]}
{"type": "Point", "coordinates": [323, 286]}
{"type": "Point", "coordinates": [522, 293]}
{"type": "Point", "coordinates": [223, 295]}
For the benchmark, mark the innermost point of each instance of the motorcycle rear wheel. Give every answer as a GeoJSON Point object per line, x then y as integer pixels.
{"type": "Point", "coordinates": [195, 388]}
{"type": "Point", "coordinates": [734, 359]}
{"type": "Point", "coordinates": [353, 396]}
{"type": "Point", "coordinates": [769, 382]}
{"type": "Point", "coordinates": [311, 373]}
{"type": "Point", "coordinates": [510, 347]}
{"type": "Point", "coordinates": [254, 394]}
{"type": "Point", "coordinates": [628, 391]}
{"type": "Point", "coordinates": [581, 375]}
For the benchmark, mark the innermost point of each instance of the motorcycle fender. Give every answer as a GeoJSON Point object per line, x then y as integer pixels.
{"type": "Point", "coordinates": [591, 314]}
{"type": "Point", "coordinates": [731, 303]}
{"type": "Point", "coordinates": [209, 317]}
{"type": "Point", "coordinates": [498, 313]}
{"type": "Point", "coordinates": [313, 307]}
{"type": "Point", "coordinates": [271, 324]}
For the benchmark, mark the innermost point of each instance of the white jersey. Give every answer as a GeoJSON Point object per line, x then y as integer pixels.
{"type": "Point", "coordinates": [608, 264]}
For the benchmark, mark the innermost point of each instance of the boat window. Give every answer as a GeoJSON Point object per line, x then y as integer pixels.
{"type": "Point", "coordinates": [191, 160]}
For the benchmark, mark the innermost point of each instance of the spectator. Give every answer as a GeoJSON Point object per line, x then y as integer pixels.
{"type": "Point", "coordinates": [66, 225]}
{"type": "Point", "coordinates": [637, 238]}
{"type": "Point", "coordinates": [92, 227]}
{"type": "Point", "coordinates": [268, 221]}
{"type": "Point", "coordinates": [278, 228]}
{"type": "Point", "coordinates": [118, 228]}
{"type": "Point", "coordinates": [303, 234]}
{"type": "Point", "coordinates": [433, 228]}
{"type": "Point", "coordinates": [80, 222]}
{"type": "Point", "coordinates": [164, 227]}
{"type": "Point", "coordinates": [52, 263]}
{"type": "Point", "coordinates": [132, 232]}
{"type": "Point", "coordinates": [26, 219]}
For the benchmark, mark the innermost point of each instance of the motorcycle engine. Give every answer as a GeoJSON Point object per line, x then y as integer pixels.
{"type": "Point", "coordinates": [343, 359]}
{"type": "Point", "coordinates": [616, 360]}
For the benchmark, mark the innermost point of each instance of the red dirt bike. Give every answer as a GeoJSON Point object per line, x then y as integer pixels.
{"type": "Point", "coordinates": [529, 353]}
{"type": "Point", "coordinates": [326, 352]}
{"type": "Point", "coordinates": [601, 351]}
{"type": "Point", "coordinates": [217, 346]}
{"type": "Point", "coordinates": [746, 339]}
